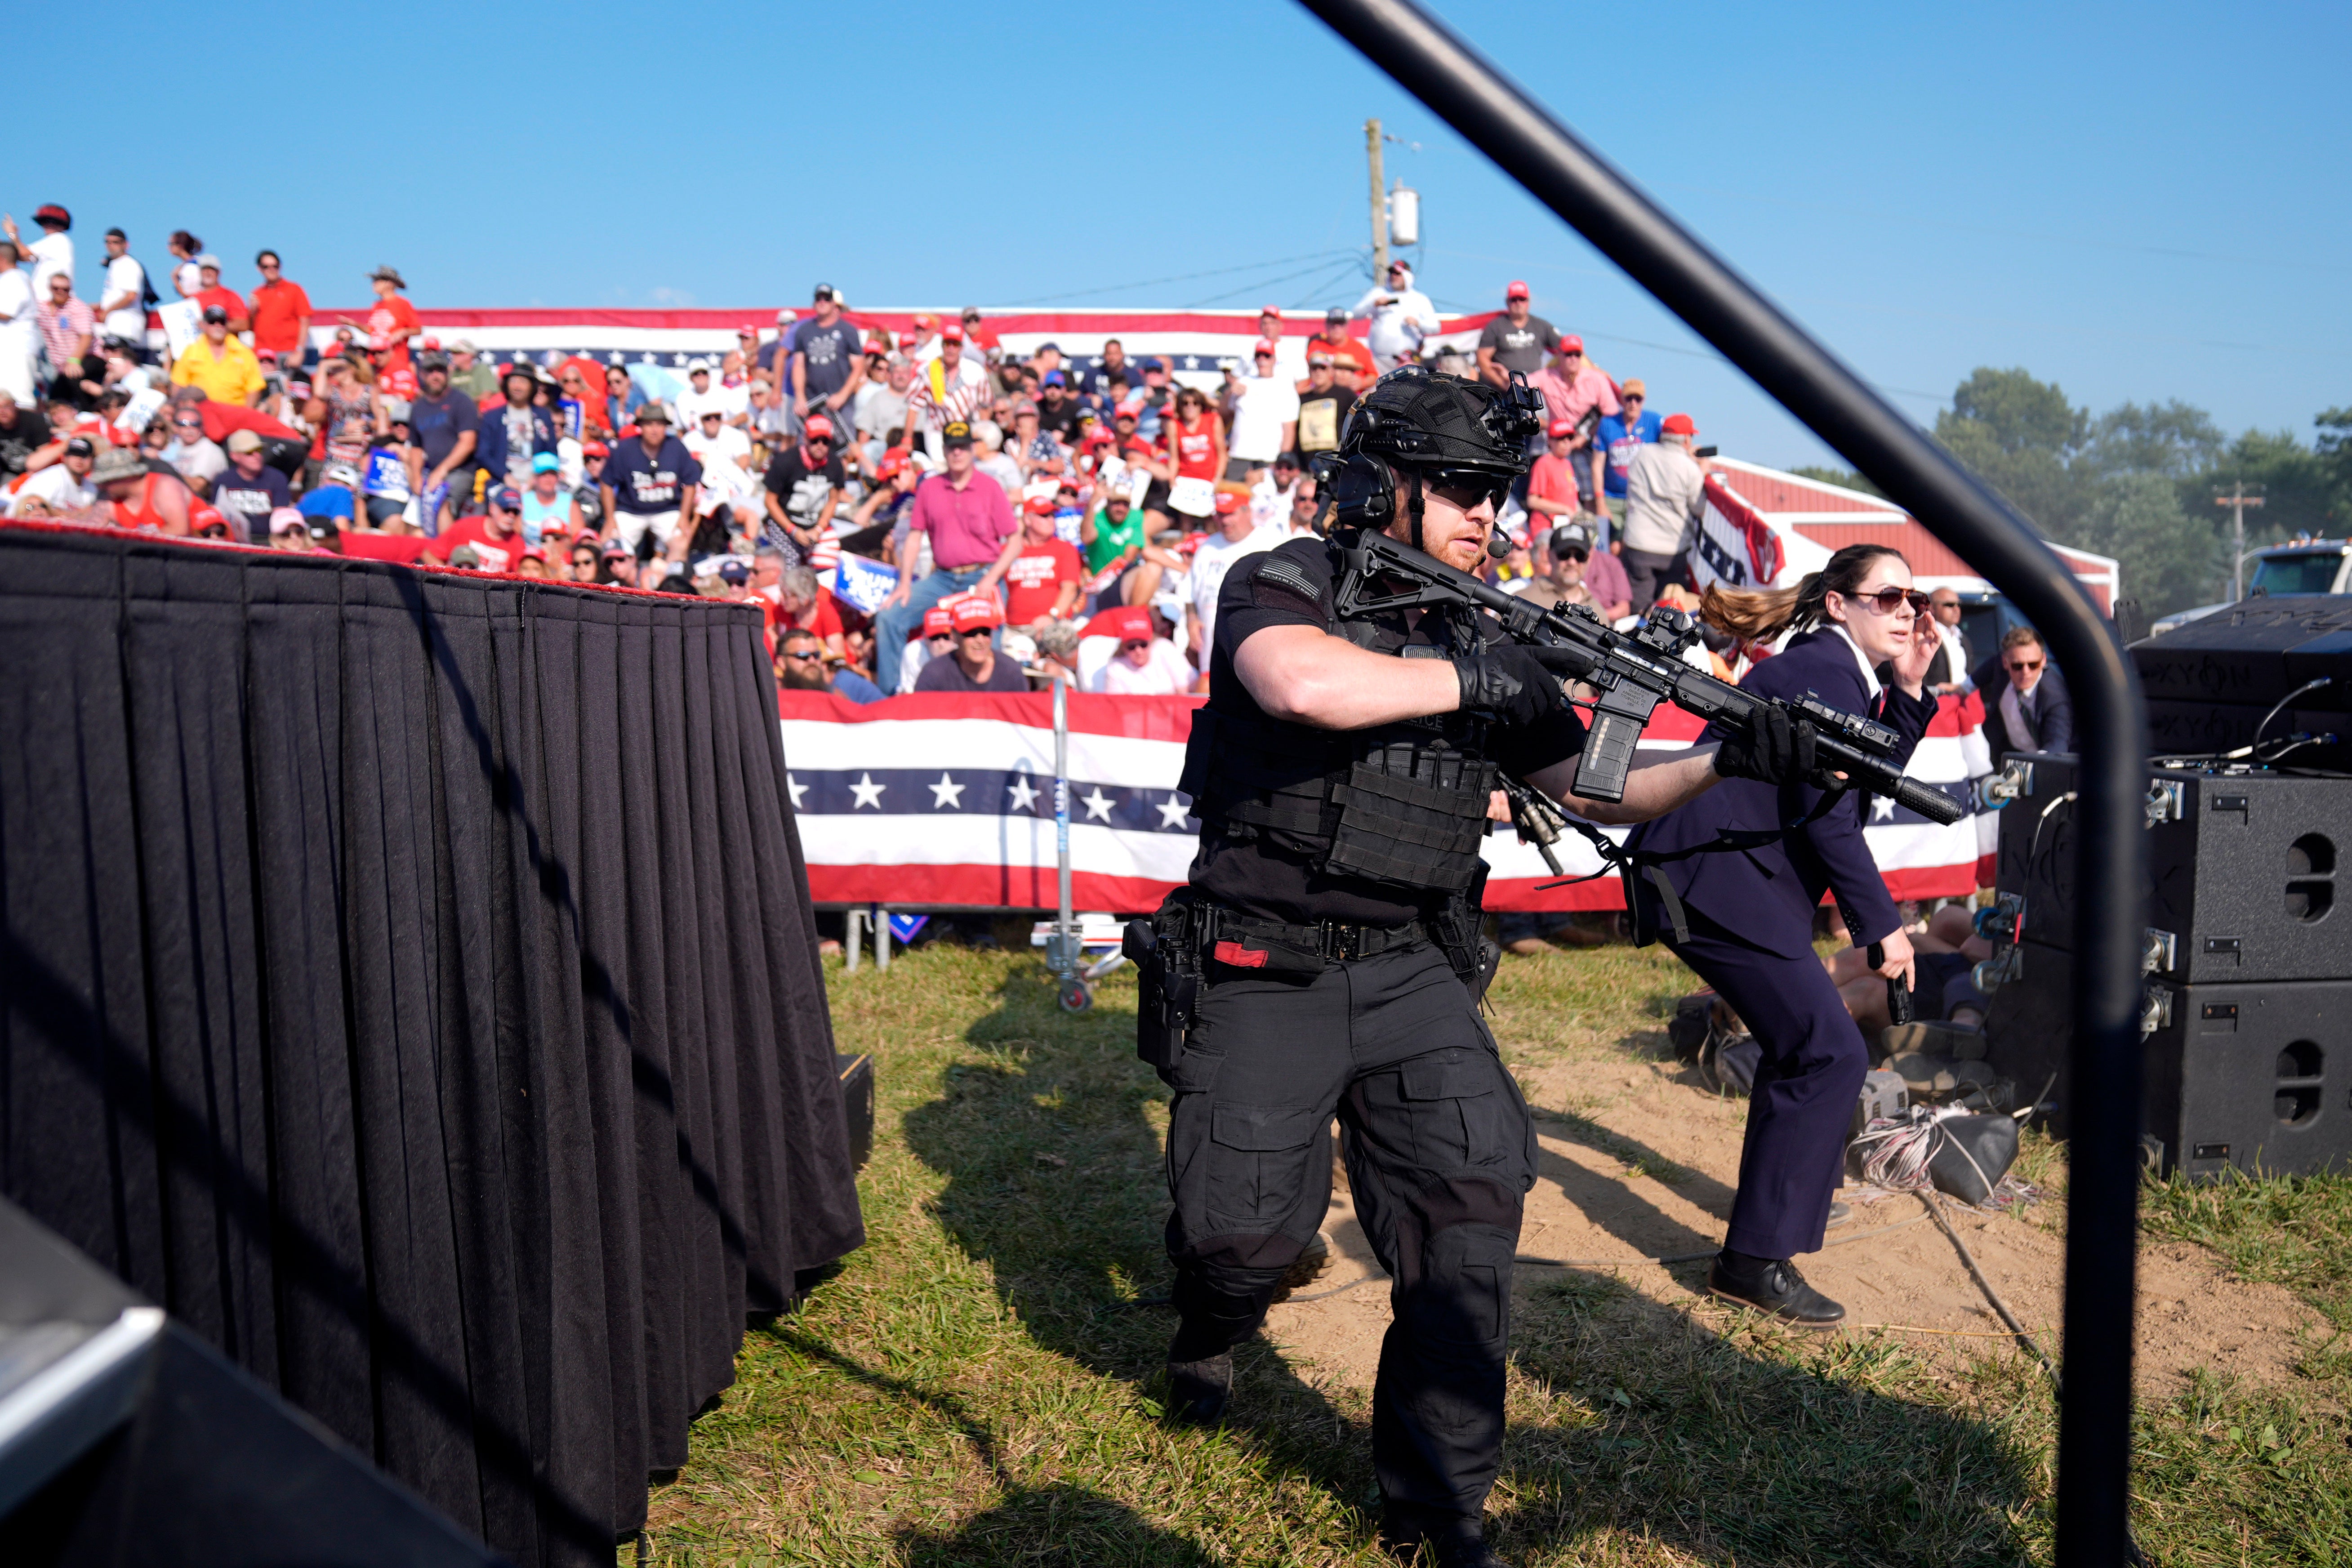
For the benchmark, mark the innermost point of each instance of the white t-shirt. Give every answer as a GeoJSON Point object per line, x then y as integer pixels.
{"type": "Point", "coordinates": [57, 487]}
{"type": "Point", "coordinates": [187, 278]}
{"type": "Point", "coordinates": [1212, 560]}
{"type": "Point", "coordinates": [1269, 505]}
{"type": "Point", "coordinates": [1165, 674]}
{"type": "Point", "coordinates": [16, 299]}
{"type": "Point", "coordinates": [730, 444]}
{"type": "Point", "coordinates": [51, 253]}
{"type": "Point", "coordinates": [125, 276]}
{"type": "Point", "coordinates": [1397, 328]}
{"type": "Point", "coordinates": [1264, 405]}
{"type": "Point", "coordinates": [204, 460]}
{"type": "Point", "coordinates": [730, 402]}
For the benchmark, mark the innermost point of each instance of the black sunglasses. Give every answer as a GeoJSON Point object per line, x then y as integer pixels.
{"type": "Point", "coordinates": [1476, 483]}
{"type": "Point", "coordinates": [1888, 600]}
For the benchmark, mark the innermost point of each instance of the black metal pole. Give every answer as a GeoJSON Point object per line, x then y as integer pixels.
{"type": "Point", "coordinates": [1573, 180]}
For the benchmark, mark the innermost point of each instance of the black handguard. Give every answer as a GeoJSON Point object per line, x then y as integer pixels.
{"type": "Point", "coordinates": [1773, 750]}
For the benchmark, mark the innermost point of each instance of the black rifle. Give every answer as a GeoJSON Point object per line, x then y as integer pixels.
{"type": "Point", "coordinates": [1633, 672]}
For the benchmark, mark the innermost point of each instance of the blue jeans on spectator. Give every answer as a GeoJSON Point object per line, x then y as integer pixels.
{"type": "Point", "coordinates": [894, 626]}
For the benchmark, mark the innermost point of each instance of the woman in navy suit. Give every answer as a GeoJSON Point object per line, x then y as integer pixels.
{"type": "Point", "coordinates": [1864, 643]}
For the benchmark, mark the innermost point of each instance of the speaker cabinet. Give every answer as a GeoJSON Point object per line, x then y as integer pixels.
{"type": "Point", "coordinates": [2243, 870]}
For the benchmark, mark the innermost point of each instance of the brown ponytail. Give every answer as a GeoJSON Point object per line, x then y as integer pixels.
{"type": "Point", "coordinates": [1760, 616]}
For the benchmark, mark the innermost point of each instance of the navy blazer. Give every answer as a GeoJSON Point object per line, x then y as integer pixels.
{"type": "Point", "coordinates": [491, 449]}
{"type": "Point", "coordinates": [2053, 708]}
{"type": "Point", "coordinates": [1766, 896]}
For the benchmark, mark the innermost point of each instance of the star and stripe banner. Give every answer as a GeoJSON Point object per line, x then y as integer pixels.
{"type": "Point", "coordinates": [937, 799]}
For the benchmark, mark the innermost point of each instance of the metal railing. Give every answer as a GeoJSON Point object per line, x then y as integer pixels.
{"type": "Point", "coordinates": [1599, 203]}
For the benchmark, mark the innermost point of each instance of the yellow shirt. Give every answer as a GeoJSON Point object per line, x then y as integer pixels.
{"type": "Point", "coordinates": [231, 376]}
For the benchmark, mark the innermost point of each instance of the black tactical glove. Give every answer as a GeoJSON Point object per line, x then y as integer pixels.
{"type": "Point", "coordinates": [1517, 683]}
{"type": "Point", "coordinates": [1773, 751]}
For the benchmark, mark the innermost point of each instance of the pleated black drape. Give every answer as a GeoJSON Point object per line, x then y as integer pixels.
{"type": "Point", "coordinates": [409, 982]}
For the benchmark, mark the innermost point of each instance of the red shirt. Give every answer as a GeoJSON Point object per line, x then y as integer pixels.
{"type": "Point", "coordinates": [277, 307]}
{"type": "Point", "coordinates": [221, 419]}
{"type": "Point", "coordinates": [1552, 478]}
{"type": "Point", "coordinates": [1345, 356]}
{"type": "Point", "coordinates": [497, 554]}
{"type": "Point", "coordinates": [226, 298]}
{"type": "Point", "coordinates": [1034, 582]}
{"type": "Point", "coordinates": [403, 548]}
{"type": "Point", "coordinates": [391, 315]}
{"type": "Point", "coordinates": [1196, 450]}
{"type": "Point", "coordinates": [823, 618]}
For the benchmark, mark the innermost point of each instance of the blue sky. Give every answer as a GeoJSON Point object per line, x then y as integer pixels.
{"type": "Point", "coordinates": [2138, 202]}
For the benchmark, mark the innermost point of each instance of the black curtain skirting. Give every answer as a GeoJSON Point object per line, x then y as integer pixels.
{"type": "Point", "coordinates": [408, 980]}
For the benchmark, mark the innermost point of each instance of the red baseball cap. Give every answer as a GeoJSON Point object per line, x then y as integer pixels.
{"type": "Point", "coordinates": [1572, 344]}
{"type": "Point", "coordinates": [1227, 502]}
{"type": "Point", "coordinates": [893, 464]}
{"type": "Point", "coordinates": [1041, 506]}
{"type": "Point", "coordinates": [906, 340]}
{"type": "Point", "coordinates": [817, 427]}
{"type": "Point", "coordinates": [1515, 290]}
{"type": "Point", "coordinates": [1266, 346]}
{"type": "Point", "coordinates": [952, 333]}
{"type": "Point", "coordinates": [977, 612]}
{"type": "Point", "coordinates": [1274, 310]}
{"type": "Point", "coordinates": [1563, 427]}
{"type": "Point", "coordinates": [748, 329]}
{"type": "Point", "coordinates": [596, 449]}
{"type": "Point", "coordinates": [939, 621]}
{"type": "Point", "coordinates": [1678, 424]}
{"type": "Point", "coordinates": [428, 343]}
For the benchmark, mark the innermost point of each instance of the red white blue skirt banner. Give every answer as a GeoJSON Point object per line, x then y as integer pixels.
{"type": "Point", "coordinates": [937, 799]}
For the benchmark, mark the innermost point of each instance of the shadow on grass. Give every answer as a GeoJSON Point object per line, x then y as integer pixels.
{"type": "Point", "coordinates": [1770, 1449]}
{"type": "Point", "coordinates": [1056, 1527]}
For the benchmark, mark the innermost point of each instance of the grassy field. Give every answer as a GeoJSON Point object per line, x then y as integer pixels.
{"type": "Point", "coordinates": [977, 1385]}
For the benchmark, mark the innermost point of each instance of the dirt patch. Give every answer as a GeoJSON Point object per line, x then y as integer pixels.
{"type": "Point", "coordinates": [1638, 1162]}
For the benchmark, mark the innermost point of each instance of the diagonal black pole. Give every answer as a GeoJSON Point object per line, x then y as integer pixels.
{"type": "Point", "coordinates": [1568, 177]}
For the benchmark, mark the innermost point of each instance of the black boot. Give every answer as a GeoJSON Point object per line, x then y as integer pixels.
{"type": "Point", "coordinates": [1453, 1540]}
{"type": "Point", "coordinates": [1773, 1286]}
{"type": "Point", "coordinates": [1198, 1390]}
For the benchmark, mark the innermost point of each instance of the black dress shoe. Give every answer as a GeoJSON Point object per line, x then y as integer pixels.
{"type": "Point", "coordinates": [1198, 1390]}
{"type": "Point", "coordinates": [1778, 1289]}
{"type": "Point", "coordinates": [1452, 1541]}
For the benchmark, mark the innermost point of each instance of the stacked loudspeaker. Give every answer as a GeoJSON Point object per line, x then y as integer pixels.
{"type": "Point", "coordinates": [2282, 666]}
{"type": "Point", "coordinates": [2247, 1014]}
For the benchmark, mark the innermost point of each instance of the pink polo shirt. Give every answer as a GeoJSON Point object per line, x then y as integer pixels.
{"type": "Point", "coordinates": [968, 526]}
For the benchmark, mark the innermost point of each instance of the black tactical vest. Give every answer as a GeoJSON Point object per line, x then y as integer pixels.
{"type": "Point", "coordinates": [1404, 804]}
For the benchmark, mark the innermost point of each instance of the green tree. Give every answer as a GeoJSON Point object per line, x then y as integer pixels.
{"type": "Point", "coordinates": [1843, 476]}
{"type": "Point", "coordinates": [2173, 439]}
{"type": "Point", "coordinates": [2021, 436]}
{"type": "Point", "coordinates": [2170, 560]}
{"type": "Point", "coordinates": [2302, 491]}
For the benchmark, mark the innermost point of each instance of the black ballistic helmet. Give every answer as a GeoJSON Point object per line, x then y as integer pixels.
{"type": "Point", "coordinates": [1415, 417]}
{"type": "Point", "coordinates": [1424, 422]}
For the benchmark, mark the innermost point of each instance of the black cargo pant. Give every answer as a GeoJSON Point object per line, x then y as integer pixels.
{"type": "Point", "coordinates": [1440, 1151]}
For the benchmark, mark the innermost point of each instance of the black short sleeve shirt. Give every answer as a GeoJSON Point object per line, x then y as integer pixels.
{"type": "Point", "coordinates": [1293, 584]}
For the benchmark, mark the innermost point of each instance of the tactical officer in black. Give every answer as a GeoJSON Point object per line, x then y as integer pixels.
{"type": "Point", "coordinates": [1327, 953]}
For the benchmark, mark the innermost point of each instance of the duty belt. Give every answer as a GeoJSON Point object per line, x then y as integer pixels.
{"type": "Point", "coordinates": [1325, 940]}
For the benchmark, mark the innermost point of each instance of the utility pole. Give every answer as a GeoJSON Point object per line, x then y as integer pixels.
{"type": "Point", "coordinates": [1380, 202]}
{"type": "Point", "coordinates": [2238, 500]}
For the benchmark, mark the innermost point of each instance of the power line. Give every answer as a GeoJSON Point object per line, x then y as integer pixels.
{"type": "Point", "coordinates": [1318, 257]}
{"type": "Point", "coordinates": [1938, 398]}
{"type": "Point", "coordinates": [1265, 283]}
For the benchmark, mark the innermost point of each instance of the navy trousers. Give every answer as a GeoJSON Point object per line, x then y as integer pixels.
{"type": "Point", "coordinates": [1802, 1103]}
